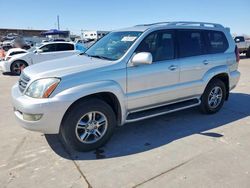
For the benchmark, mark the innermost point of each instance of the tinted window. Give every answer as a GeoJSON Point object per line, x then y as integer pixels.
{"type": "Point", "coordinates": [217, 42]}
{"type": "Point", "coordinates": [159, 44]}
{"type": "Point", "coordinates": [64, 47]}
{"type": "Point", "coordinates": [49, 48]}
{"type": "Point", "coordinates": [239, 39]}
{"type": "Point", "coordinates": [191, 43]}
{"type": "Point", "coordinates": [15, 53]}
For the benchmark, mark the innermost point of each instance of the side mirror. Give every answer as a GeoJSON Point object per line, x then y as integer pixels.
{"type": "Point", "coordinates": [38, 51]}
{"type": "Point", "coordinates": [142, 58]}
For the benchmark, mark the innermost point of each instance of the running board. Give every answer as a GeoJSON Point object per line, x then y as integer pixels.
{"type": "Point", "coordinates": [137, 116]}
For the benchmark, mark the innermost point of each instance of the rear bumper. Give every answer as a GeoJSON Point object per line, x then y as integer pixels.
{"type": "Point", "coordinates": [4, 66]}
{"type": "Point", "coordinates": [234, 79]}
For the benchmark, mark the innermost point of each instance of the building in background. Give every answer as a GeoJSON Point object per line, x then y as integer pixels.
{"type": "Point", "coordinates": [12, 33]}
{"type": "Point", "coordinates": [93, 35]}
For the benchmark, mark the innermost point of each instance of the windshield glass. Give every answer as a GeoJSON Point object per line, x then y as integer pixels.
{"type": "Point", "coordinates": [35, 47]}
{"type": "Point", "coordinates": [113, 46]}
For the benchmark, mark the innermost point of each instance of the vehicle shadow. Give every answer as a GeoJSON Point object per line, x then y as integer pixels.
{"type": "Point", "coordinates": [9, 74]}
{"type": "Point", "coordinates": [153, 133]}
{"type": "Point", "coordinates": [244, 57]}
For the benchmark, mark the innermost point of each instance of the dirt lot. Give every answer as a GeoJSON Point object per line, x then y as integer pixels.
{"type": "Point", "coordinates": [184, 149]}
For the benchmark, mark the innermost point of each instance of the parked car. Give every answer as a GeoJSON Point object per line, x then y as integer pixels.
{"type": "Point", "coordinates": [129, 75]}
{"type": "Point", "coordinates": [6, 45]}
{"type": "Point", "coordinates": [243, 45]}
{"type": "Point", "coordinates": [14, 51]}
{"type": "Point", "coordinates": [45, 52]}
{"type": "Point", "coordinates": [20, 43]}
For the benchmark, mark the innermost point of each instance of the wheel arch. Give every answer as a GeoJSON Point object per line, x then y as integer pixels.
{"type": "Point", "coordinates": [16, 60]}
{"type": "Point", "coordinates": [225, 79]}
{"type": "Point", "coordinates": [108, 97]}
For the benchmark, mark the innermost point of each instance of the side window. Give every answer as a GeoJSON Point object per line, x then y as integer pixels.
{"type": "Point", "coordinates": [217, 42]}
{"type": "Point", "coordinates": [64, 47]}
{"type": "Point", "coordinates": [191, 43]}
{"type": "Point", "coordinates": [239, 39]}
{"type": "Point", "coordinates": [49, 48]}
{"type": "Point", "coordinates": [159, 44]}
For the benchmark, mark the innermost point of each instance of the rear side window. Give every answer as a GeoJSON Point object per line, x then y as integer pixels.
{"type": "Point", "coordinates": [160, 44]}
{"type": "Point", "coordinates": [15, 53]}
{"type": "Point", "coordinates": [191, 43]}
{"type": "Point", "coordinates": [217, 42]}
{"type": "Point", "coordinates": [64, 47]}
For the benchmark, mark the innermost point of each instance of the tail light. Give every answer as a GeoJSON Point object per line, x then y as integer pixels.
{"type": "Point", "coordinates": [237, 54]}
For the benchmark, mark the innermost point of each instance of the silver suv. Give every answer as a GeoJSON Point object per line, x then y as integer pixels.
{"type": "Point", "coordinates": [129, 75]}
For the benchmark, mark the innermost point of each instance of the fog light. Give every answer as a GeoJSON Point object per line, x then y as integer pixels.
{"type": "Point", "coordinates": [32, 117]}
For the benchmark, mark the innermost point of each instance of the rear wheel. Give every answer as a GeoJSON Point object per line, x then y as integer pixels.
{"type": "Point", "coordinates": [17, 67]}
{"type": "Point", "coordinates": [213, 97]}
{"type": "Point", "coordinates": [248, 52]}
{"type": "Point", "coordinates": [88, 125]}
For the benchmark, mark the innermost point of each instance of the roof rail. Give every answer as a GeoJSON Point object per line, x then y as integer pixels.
{"type": "Point", "coordinates": [157, 23]}
{"type": "Point", "coordinates": [202, 24]}
{"type": "Point", "coordinates": [185, 23]}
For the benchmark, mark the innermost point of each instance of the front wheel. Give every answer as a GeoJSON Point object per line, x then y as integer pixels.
{"type": "Point", "coordinates": [213, 97]}
{"type": "Point", "coordinates": [17, 67]}
{"type": "Point", "coordinates": [88, 125]}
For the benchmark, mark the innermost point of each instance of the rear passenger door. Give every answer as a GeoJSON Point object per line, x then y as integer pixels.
{"type": "Point", "coordinates": [193, 60]}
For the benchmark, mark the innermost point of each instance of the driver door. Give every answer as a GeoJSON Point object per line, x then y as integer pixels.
{"type": "Point", "coordinates": [47, 52]}
{"type": "Point", "coordinates": [154, 84]}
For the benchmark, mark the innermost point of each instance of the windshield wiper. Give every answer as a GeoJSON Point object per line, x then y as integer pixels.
{"type": "Point", "coordinates": [101, 57]}
{"type": "Point", "coordinates": [97, 56]}
{"type": "Point", "coordinates": [83, 53]}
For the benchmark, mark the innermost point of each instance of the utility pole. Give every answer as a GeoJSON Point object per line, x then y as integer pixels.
{"type": "Point", "coordinates": [81, 33]}
{"type": "Point", "coordinates": [58, 22]}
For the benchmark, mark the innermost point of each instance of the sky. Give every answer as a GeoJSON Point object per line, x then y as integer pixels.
{"type": "Point", "coordinates": [77, 15]}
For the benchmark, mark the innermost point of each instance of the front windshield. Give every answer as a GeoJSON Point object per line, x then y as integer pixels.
{"type": "Point", "coordinates": [114, 45]}
{"type": "Point", "coordinates": [33, 49]}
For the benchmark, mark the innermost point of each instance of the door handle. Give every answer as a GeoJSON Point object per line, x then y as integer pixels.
{"type": "Point", "coordinates": [205, 62]}
{"type": "Point", "coordinates": [172, 67]}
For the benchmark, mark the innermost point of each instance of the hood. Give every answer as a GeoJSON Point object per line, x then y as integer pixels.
{"type": "Point", "coordinates": [65, 66]}
{"type": "Point", "coordinates": [16, 50]}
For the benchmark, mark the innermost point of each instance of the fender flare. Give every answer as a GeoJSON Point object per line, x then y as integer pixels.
{"type": "Point", "coordinates": [78, 92]}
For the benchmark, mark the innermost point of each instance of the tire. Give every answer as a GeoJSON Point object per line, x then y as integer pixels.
{"type": "Point", "coordinates": [208, 99]}
{"type": "Point", "coordinates": [248, 52]}
{"type": "Point", "coordinates": [17, 67]}
{"type": "Point", "coordinates": [78, 129]}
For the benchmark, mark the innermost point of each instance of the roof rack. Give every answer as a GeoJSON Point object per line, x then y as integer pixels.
{"type": "Point", "coordinates": [201, 24]}
{"type": "Point", "coordinates": [185, 23]}
{"type": "Point", "coordinates": [157, 23]}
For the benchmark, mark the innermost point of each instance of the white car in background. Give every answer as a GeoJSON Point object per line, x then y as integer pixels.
{"type": "Point", "coordinates": [47, 51]}
{"type": "Point", "coordinates": [14, 51]}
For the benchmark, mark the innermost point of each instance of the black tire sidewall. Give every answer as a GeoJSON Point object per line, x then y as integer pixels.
{"type": "Point", "coordinates": [204, 99]}
{"type": "Point", "coordinates": [248, 52]}
{"type": "Point", "coordinates": [67, 129]}
{"type": "Point", "coordinates": [13, 64]}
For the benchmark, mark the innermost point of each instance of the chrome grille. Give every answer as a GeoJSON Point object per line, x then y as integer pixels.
{"type": "Point", "coordinates": [23, 81]}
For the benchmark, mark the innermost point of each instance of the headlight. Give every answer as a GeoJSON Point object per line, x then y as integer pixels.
{"type": "Point", "coordinates": [42, 88]}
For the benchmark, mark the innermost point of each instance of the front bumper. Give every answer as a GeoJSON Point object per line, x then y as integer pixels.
{"type": "Point", "coordinates": [52, 110]}
{"type": "Point", "coordinates": [4, 66]}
